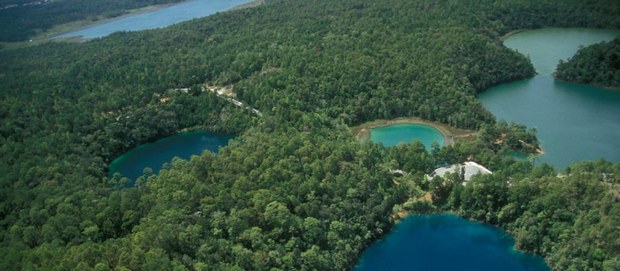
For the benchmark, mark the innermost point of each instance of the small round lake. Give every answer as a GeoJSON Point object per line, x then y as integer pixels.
{"type": "Point", "coordinates": [447, 242]}
{"type": "Point", "coordinates": [574, 122]}
{"type": "Point", "coordinates": [393, 135]}
{"type": "Point", "coordinates": [153, 155]}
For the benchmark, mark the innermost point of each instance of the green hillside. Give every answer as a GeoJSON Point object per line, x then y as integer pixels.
{"type": "Point", "coordinates": [295, 190]}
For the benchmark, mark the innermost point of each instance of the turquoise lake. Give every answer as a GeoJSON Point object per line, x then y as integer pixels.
{"type": "Point", "coordinates": [574, 122]}
{"type": "Point", "coordinates": [156, 19]}
{"type": "Point", "coordinates": [447, 242]}
{"type": "Point", "coordinates": [393, 135]}
{"type": "Point", "coordinates": [153, 155]}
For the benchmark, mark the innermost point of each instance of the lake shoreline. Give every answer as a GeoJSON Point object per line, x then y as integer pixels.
{"type": "Point", "coordinates": [131, 12]}
{"type": "Point", "coordinates": [612, 88]}
{"type": "Point", "coordinates": [557, 107]}
{"type": "Point", "coordinates": [362, 132]}
{"type": "Point", "coordinates": [512, 33]}
{"type": "Point", "coordinates": [447, 222]}
{"type": "Point", "coordinates": [139, 11]}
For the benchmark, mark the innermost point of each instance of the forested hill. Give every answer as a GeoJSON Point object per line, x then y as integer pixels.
{"type": "Point", "coordinates": [597, 64]}
{"type": "Point", "coordinates": [295, 191]}
{"type": "Point", "coordinates": [24, 19]}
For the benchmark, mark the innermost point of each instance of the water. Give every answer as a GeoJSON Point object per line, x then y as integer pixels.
{"type": "Point", "coordinates": [519, 155]}
{"type": "Point", "coordinates": [158, 18]}
{"type": "Point", "coordinates": [393, 135]}
{"type": "Point", "coordinates": [153, 155]}
{"type": "Point", "coordinates": [447, 242]}
{"type": "Point", "coordinates": [574, 122]}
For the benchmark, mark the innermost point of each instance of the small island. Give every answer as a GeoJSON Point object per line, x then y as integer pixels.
{"type": "Point", "coordinates": [598, 64]}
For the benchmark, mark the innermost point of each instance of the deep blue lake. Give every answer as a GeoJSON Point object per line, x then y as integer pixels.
{"type": "Point", "coordinates": [153, 155]}
{"type": "Point", "coordinates": [447, 242]}
{"type": "Point", "coordinates": [156, 19]}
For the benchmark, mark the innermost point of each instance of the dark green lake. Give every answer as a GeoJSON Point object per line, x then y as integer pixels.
{"type": "Point", "coordinates": [393, 135]}
{"type": "Point", "coordinates": [447, 242]}
{"type": "Point", "coordinates": [574, 122]}
{"type": "Point", "coordinates": [153, 155]}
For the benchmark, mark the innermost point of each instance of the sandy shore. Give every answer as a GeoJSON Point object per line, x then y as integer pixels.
{"type": "Point", "coordinates": [511, 33]}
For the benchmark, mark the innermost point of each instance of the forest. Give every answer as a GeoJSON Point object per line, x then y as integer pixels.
{"type": "Point", "coordinates": [22, 20]}
{"type": "Point", "coordinates": [295, 190]}
{"type": "Point", "coordinates": [597, 64]}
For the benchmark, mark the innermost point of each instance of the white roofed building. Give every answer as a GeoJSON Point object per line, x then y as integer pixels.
{"type": "Point", "coordinates": [468, 169]}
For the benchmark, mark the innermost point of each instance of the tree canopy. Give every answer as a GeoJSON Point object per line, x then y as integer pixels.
{"type": "Point", "coordinates": [295, 190]}
{"type": "Point", "coordinates": [597, 64]}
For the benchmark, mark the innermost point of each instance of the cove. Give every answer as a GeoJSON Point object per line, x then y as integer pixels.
{"type": "Point", "coordinates": [393, 135]}
{"type": "Point", "coordinates": [156, 19]}
{"type": "Point", "coordinates": [574, 122]}
{"type": "Point", "coordinates": [447, 242]}
{"type": "Point", "coordinates": [153, 155]}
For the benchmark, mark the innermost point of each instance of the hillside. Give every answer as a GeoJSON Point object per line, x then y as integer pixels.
{"type": "Point", "coordinates": [295, 190]}
{"type": "Point", "coordinates": [597, 64]}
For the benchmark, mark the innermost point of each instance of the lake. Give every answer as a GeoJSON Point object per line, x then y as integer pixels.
{"type": "Point", "coordinates": [574, 122]}
{"type": "Point", "coordinates": [393, 135]}
{"type": "Point", "coordinates": [447, 242]}
{"type": "Point", "coordinates": [156, 19]}
{"type": "Point", "coordinates": [153, 155]}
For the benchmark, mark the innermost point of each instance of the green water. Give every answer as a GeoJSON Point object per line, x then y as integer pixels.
{"type": "Point", "coordinates": [393, 135]}
{"type": "Point", "coordinates": [153, 155]}
{"type": "Point", "coordinates": [574, 122]}
{"type": "Point", "coordinates": [447, 242]}
{"type": "Point", "coordinates": [518, 155]}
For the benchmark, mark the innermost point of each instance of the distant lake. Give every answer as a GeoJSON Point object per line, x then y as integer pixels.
{"type": "Point", "coordinates": [574, 122]}
{"type": "Point", "coordinates": [153, 155]}
{"type": "Point", "coordinates": [393, 135]}
{"type": "Point", "coordinates": [447, 242]}
{"type": "Point", "coordinates": [156, 19]}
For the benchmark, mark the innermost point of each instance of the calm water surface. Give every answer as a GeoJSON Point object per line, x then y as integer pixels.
{"type": "Point", "coordinates": [154, 155]}
{"type": "Point", "coordinates": [158, 18]}
{"type": "Point", "coordinates": [393, 135]}
{"type": "Point", "coordinates": [447, 242]}
{"type": "Point", "coordinates": [574, 122]}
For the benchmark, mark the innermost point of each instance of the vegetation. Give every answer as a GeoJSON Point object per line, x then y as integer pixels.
{"type": "Point", "coordinates": [568, 217]}
{"type": "Point", "coordinates": [22, 20]}
{"type": "Point", "coordinates": [295, 191]}
{"type": "Point", "coordinates": [597, 64]}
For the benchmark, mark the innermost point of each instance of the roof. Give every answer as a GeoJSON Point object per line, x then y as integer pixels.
{"type": "Point", "coordinates": [471, 169]}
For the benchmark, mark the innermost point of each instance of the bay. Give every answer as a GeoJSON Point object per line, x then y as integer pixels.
{"type": "Point", "coordinates": [574, 122]}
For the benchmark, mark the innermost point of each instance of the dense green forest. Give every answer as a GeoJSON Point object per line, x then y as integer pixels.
{"type": "Point", "coordinates": [597, 64]}
{"type": "Point", "coordinates": [295, 190]}
{"type": "Point", "coordinates": [24, 19]}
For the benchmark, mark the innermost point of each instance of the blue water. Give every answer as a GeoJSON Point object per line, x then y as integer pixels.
{"type": "Point", "coordinates": [393, 135]}
{"type": "Point", "coordinates": [158, 18]}
{"type": "Point", "coordinates": [447, 242]}
{"type": "Point", "coordinates": [574, 122]}
{"type": "Point", "coordinates": [154, 155]}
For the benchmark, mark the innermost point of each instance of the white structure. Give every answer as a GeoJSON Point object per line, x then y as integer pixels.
{"type": "Point", "coordinates": [468, 169]}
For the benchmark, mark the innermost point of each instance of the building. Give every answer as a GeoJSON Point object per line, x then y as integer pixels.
{"type": "Point", "coordinates": [468, 169]}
